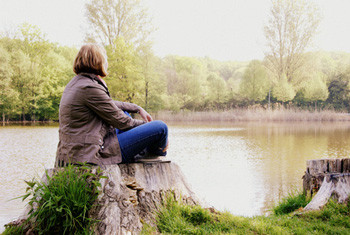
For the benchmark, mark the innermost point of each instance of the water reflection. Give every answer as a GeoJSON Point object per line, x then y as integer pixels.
{"type": "Point", "coordinates": [248, 167]}
{"type": "Point", "coordinates": [243, 168]}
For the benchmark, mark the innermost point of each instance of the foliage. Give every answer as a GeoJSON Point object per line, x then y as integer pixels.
{"type": "Point", "coordinates": [34, 72]}
{"type": "Point", "coordinates": [339, 92]}
{"type": "Point", "coordinates": [177, 218]}
{"type": "Point", "coordinates": [124, 78]}
{"type": "Point", "coordinates": [62, 205]}
{"type": "Point", "coordinates": [255, 84]}
{"type": "Point", "coordinates": [283, 90]}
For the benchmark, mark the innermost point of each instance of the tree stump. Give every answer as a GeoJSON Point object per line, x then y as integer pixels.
{"type": "Point", "coordinates": [131, 194]}
{"type": "Point", "coordinates": [326, 178]}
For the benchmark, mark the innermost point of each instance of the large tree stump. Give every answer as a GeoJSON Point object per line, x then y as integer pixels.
{"type": "Point", "coordinates": [325, 179]}
{"type": "Point", "coordinates": [132, 193]}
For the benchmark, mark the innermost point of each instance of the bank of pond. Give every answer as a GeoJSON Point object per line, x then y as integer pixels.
{"type": "Point", "coordinates": [286, 218]}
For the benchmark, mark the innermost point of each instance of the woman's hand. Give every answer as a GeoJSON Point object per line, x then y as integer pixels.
{"type": "Point", "coordinates": [145, 116]}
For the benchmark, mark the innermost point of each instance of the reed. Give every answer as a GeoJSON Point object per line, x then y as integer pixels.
{"type": "Point", "coordinates": [256, 114]}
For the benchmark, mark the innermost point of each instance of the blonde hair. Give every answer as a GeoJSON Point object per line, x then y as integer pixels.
{"type": "Point", "coordinates": [91, 58]}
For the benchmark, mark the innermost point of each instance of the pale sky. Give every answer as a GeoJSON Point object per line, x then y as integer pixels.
{"type": "Point", "coordinates": [220, 29]}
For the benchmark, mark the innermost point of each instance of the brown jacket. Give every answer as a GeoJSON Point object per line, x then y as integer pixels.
{"type": "Point", "coordinates": [88, 118]}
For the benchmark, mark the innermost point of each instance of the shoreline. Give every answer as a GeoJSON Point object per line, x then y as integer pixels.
{"type": "Point", "coordinates": [240, 115]}
{"type": "Point", "coordinates": [254, 115]}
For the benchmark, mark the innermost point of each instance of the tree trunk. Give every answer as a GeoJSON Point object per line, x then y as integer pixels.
{"type": "Point", "coordinates": [269, 98]}
{"type": "Point", "coordinates": [23, 115]}
{"type": "Point", "coordinates": [146, 96]}
{"type": "Point", "coordinates": [326, 178]}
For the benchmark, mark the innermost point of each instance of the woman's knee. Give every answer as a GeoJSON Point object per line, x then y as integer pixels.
{"type": "Point", "coordinates": [161, 126]}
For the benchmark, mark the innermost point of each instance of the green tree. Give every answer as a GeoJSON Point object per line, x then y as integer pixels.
{"type": "Point", "coordinates": [283, 91]}
{"type": "Point", "coordinates": [217, 89]}
{"type": "Point", "coordinates": [8, 96]}
{"type": "Point", "coordinates": [339, 93]}
{"type": "Point", "coordinates": [34, 47]}
{"type": "Point", "coordinates": [154, 83]}
{"type": "Point", "coordinates": [255, 84]}
{"type": "Point", "coordinates": [185, 81]}
{"type": "Point", "coordinates": [125, 79]}
{"type": "Point", "coordinates": [315, 89]}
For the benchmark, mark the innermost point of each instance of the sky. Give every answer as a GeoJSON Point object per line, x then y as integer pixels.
{"type": "Point", "coordinates": [220, 29]}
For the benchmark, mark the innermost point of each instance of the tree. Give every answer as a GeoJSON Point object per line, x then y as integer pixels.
{"type": "Point", "coordinates": [110, 19]}
{"type": "Point", "coordinates": [339, 93]}
{"type": "Point", "coordinates": [8, 96]}
{"type": "Point", "coordinates": [283, 91]}
{"type": "Point", "coordinates": [315, 89]}
{"type": "Point", "coordinates": [125, 80]}
{"type": "Point", "coordinates": [289, 31]}
{"type": "Point", "coordinates": [185, 81]}
{"type": "Point", "coordinates": [255, 83]}
{"type": "Point", "coordinates": [217, 89]}
{"type": "Point", "coordinates": [34, 46]}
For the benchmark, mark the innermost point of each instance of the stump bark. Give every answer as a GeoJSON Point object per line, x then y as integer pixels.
{"type": "Point", "coordinates": [325, 179]}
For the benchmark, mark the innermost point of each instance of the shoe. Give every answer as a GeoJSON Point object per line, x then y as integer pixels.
{"type": "Point", "coordinates": [146, 157]}
{"type": "Point", "coordinates": [149, 160]}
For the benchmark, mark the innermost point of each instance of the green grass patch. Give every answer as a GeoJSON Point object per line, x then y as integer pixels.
{"type": "Point", "coordinates": [62, 205]}
{"type": "Point", "coordinates": [291, 203]}
{"type": "Point", "coordinates": [177, 218]}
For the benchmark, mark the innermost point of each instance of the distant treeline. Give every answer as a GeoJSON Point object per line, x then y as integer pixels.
{"type": "Point", "coordinates": [34, 72]}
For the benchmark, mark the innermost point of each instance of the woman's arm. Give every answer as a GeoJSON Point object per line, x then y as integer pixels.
{"type": "Point", "coordinates": [101, 104]}
{"type": "Point", "coordinates": [133, 108]}
{"type": "Point", "coordinates": [129, 107]}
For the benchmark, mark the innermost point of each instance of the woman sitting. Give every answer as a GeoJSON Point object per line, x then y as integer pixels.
{"type": "Point", "coordinates": [95, 129]}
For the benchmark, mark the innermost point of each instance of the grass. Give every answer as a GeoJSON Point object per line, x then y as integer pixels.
{"type": "Point", "coordinates": [254, 114]}
{"type": "Point", "coordinates": [177, 218]}
{"type": "Point", "coordinates": [62, 205]}
{"type": "Point", "coordinates": [291, 203]}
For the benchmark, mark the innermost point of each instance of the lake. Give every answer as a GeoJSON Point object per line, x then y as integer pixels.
{"type": "Point", "coordinates": [243, 168]}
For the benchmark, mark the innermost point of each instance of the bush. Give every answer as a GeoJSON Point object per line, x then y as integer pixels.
{"type": "Point", "coordinates": [62, 205]}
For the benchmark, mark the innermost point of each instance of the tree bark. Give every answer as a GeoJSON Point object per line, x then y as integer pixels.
{"type": "Point", "coordinates": [336, 186]}
{"type": "Point", "coordinates": [133, 193]}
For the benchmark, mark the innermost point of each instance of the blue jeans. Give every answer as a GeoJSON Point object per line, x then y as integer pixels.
{"type": "Point", "coordinates": [152, 136]}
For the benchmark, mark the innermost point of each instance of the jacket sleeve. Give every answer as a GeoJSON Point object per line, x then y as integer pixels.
{"type": "Point", "coordinates": [125, 106]}
{"type": "Point", "coordinates": [99, 102]}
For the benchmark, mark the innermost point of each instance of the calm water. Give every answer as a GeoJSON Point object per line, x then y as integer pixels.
{"type": "Point", "coordinates": [241, 168]}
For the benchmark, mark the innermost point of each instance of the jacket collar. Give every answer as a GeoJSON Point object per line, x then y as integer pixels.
{"type": "Point", "coordinates": [95, 78]}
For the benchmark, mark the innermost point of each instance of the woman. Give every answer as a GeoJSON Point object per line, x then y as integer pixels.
{"type": "Point", "coordinates": [89, 119]}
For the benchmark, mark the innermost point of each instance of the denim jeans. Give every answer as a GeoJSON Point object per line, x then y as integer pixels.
{"type": "Point", "coordinates": [152, 136]}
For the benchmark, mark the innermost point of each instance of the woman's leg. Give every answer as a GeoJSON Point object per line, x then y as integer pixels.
{"type": "Point", "coordinates": [152, 136]}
